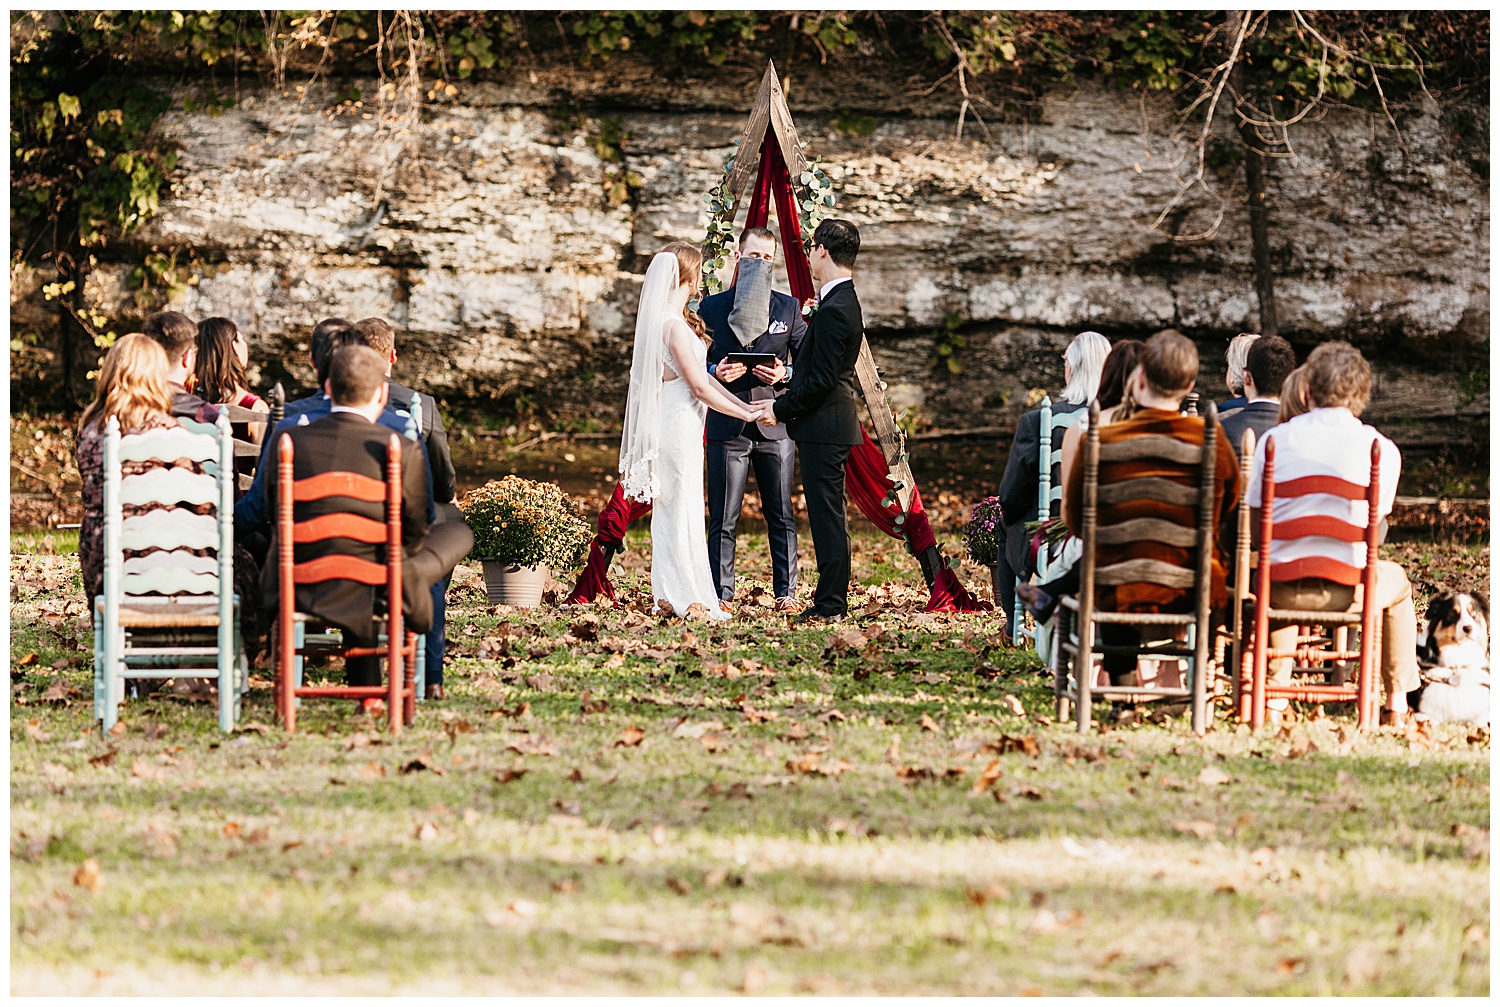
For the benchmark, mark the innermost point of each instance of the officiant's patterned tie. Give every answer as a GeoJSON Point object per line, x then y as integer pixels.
{"type": "Point", "coordinates": [751, 313]}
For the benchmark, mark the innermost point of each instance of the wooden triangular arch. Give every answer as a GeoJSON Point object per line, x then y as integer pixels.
{"type": "Point", "coordinates": [770, 112]}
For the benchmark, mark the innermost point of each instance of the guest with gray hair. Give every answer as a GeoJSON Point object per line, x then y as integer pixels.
{"type": "Point", "coordinates": [1083, 366]}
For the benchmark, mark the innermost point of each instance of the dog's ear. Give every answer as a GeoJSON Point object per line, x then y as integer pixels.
{"type": "Point", "coordinates": [1483, 603]}
{"type": "Point", "coordinates": [1440, 605]}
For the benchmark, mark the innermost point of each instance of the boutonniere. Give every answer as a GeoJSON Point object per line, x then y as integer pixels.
{"type": "Point", "coordinates": [809, 308]}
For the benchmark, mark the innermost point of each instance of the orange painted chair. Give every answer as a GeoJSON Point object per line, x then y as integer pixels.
{"type": "Point", "coordinates": [1313, 653]}
{"type": "Point", "coordinates": [293, 644]}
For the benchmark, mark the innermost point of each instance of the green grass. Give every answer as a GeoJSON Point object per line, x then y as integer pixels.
{"type": "Point", "coordinates": [697, 861]}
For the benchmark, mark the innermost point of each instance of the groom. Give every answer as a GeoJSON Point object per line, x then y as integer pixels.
{"type": "Point", "coordinates": [750, 317]}
{"type": "Point", "coordinates": [820, 410]}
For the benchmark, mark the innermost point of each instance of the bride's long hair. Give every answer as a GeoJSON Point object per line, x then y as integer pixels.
{"type": "Point", "coordinates": [690, 271]}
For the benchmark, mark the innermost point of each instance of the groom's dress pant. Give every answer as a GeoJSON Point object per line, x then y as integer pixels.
{"type": "Point", "coordinates": [729, 464]}
{"type": "Point", "coordinates": [823, 486]}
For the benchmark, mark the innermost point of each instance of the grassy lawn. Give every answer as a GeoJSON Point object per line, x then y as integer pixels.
{"type": "Point", "coordinates": [612, 803]}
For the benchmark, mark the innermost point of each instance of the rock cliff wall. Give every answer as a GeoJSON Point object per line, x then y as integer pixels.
{"type": "Point", "coordinates": [488, 237]}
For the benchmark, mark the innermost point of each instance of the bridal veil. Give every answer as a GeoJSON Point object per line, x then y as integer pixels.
{"type": "Point", "coordinates": [640, 445]}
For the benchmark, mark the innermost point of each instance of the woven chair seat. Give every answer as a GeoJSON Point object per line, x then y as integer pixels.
{"type": "Point", "coordinates": [169, 615]}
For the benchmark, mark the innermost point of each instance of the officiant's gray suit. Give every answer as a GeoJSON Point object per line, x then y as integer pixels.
{"type": "Point", "coordinates": [734, 446]}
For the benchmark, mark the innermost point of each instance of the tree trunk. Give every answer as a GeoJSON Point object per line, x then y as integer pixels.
{"type": "Point", "coordinates": [1255, 182]}
{"type": "Point", "coordinates": [1260, 237]}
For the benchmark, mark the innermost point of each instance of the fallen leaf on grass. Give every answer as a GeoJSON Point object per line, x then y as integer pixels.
{"type": "Point", "coordinates": [231, 830]}
{"type": "Point", "coordinates": [1030, 793]}
{"type": "Point", "coordinates": [59, 692]}
{"type": "Point", "coordinates": [755, 716]}
{"type": "Point", "coordinates": [754, 980]}
{"type": "Point", "coordinates": [259, 835]}
{"type": "Point", "coordinates": [35, 733]}
{"type": "Point", "coordinates": [454, 725]}
{"type": "Point", "coordinates": [1288, 966]}
{"type": "Point", "coordinates": [253, 726]}
{"type": "Point", "coordinates": [119, 729]}
{"type": "Point", "coordinates": [1212, 776]}
{"type": "Point", "coordinates": [893, 754]}
{"type": "Point", "coordinates": [89, 876]}
{"type": "Point", "coordinates": [26, 660]}
{"type": "Point", "coordinates": [928, 724]}
{"type": "Point", "coordinates": [426, 832]}
{"type": "Point", "coordinates": [586, 627]}
{"type": "Point", "coordinates": [522, 712]}
{"type": "Point", "coordinates": [987, 779]}
{"type": "Point", "coordinates": [1013, 704]}
{"type": "Point", "coordinates": [105, 758]}
{"type": "Point", "coordinates": [1197, 827]}
{"type": "Point", "coordinates": [631, 738]}
{"type": "Point", "coordinates": [587, 704]}
{"type": "Point", "coordinates": [372, 771]}
{"type": "Point", "coordinates": [996, 891]}
{"type": "Point", "coordinates": [829, 716]}
{"type": "Point", "coordinates": [1025, 744]}
{"type": "Point", "coordinates": [421, 763]}
{"type": "Point", "coordinates": [146, 771]}
{"type": "Point", "coordinates": [511, 774]}
{"type": "Point", "coordinates": [525, 745]}
{"type": "Point", "coordinates": [1299, 748]}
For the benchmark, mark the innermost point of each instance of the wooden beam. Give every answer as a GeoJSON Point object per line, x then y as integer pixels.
{"type": "Point", "coordinates": [887, 435]}
{"type": "Point", "coordinates": [748, 152]}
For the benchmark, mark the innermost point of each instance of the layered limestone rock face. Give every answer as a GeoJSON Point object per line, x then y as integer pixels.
{"type": "Point", "coordinates": [489, 237]}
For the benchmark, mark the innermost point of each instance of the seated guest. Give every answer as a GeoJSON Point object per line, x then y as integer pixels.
{"type": "Point", "coordinates": [1234, 374]}
{"type": "Point", "coordinates": [1114, 399]}
{"type": "Point", "coordinates": [1294, 401]}
{"type": "Point", "coordinates": [133, 388]}
{"type": "Point", "coordinates": [220, 379]}
{"type": "Point", "coordinates": [1167, 371]}
{"type": "Point", "coordinates": [1269, 362]}
{"type": "Point", "coordinates": [1083, 364]}
{"type": "Point", "coordinates": [176, 334]}
{"type": "Point", "coordinates": [1330, 440]}
{"type": "Point", "coordinates": [253, 511]}
{"type": "Point", "coordinates": [382, 339]}
{"type": "Point", "coordinates": [350, 439]}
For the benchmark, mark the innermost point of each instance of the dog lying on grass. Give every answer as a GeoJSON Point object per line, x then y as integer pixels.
{"type": "Point", "coordinates": [1454, 653]}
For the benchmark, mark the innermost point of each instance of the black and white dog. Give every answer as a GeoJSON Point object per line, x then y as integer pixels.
{"type": "Point", "coordinates": [1454, 653]}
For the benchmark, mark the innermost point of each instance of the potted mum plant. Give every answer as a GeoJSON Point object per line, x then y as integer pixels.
{"type": "Point", "coordinates": [984, 537]}
{"type": "Point", "coordinates": [522, 530]}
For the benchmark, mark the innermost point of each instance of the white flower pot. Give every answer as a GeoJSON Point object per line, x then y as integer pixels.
{"type": "Point", "coordinates": [517, 586]}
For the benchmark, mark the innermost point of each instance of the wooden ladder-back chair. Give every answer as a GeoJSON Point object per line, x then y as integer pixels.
{"type": "Point", "coordinates": [401, 645]}
{"type": "Point", "coordinates": [166, 610]}
{"type": "Point", "coordinates": [1078, 617]}
{"type": "Point", "coordinates": [1242, 616]}
{"type": "Point", "coordinates": [1049, 497]}
{"type": "Point", "coordinates": [1310, 653]}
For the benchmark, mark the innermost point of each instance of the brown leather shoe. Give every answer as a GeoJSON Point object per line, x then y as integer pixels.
{"type": "Point", "coordinates": [436, 692]}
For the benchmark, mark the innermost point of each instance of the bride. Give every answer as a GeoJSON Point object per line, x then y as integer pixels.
{"type": "Point", "coordinates": [661, 452]}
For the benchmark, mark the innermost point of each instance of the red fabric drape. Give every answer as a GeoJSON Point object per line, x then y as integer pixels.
{"type": "Point", "coordinates": [773, 178]}
{"type": "Point", "coordinates": [866, 471]}
{"type": "Point", "coordinates": [594, 580]}
{"type": "Point", "coordinates": [867, 480]}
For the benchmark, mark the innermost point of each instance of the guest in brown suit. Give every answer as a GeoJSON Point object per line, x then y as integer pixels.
{"type": "Point", "coordinates": [1167, 371]}
{"type": "Point", "coordinates": [350, 440]}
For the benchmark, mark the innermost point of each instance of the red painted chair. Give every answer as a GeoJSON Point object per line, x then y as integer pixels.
{"type": "Point", "coordinates": [1313, 653]}
{"type": "Point", "coordinates": [400, 645]}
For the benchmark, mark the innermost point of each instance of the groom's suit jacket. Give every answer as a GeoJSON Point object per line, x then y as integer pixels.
{"type": "Point", "coordinates": [782, 337]}
{"type": "Point", "coordinates": [821, 405]}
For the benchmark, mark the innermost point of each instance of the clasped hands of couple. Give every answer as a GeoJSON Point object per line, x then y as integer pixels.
{"type": "Point", "coordinates": [762, 412]}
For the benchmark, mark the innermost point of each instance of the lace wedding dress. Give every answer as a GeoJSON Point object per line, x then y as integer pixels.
{"type": "Point", "coordinates": [661, 453]}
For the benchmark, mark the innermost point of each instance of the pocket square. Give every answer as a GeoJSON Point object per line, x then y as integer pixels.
{"type": "Point", "coordinates": [777, 328]}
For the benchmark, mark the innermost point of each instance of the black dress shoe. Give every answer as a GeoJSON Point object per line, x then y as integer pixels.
{"type": "Point", "coordinates": [813, 616]}
{"type": "Point", "coordinates": [1038, 602]}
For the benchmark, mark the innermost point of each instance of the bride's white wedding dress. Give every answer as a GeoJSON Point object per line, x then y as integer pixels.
{"type": "Point", "coordinates": [680, 574]}
{"type": "Point", "coordinates": [661, 452]}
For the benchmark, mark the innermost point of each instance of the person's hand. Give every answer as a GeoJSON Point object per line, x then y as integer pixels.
{"type": "Point", "coordinates": [772, 373]}
{"type": "Point", "coordinates": [768, 414]}
{"type": "Point", "coordinates": [729, 371]}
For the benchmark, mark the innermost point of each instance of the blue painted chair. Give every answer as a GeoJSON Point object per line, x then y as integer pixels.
{"type": "Point", "coordinates": [1049, 504]}
{"type": "Point", "coordinates": [166, 610]}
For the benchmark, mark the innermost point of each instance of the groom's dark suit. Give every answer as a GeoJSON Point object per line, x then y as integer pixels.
{"type": "Point", "coordinates": [734, 446]}
{"type": "Point", "coordinates": [821, 413]}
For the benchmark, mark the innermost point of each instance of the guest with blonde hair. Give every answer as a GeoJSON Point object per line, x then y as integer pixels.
{"type": "Point", "coordinates": [133, 389]}
{"type": "Point", "coordinates": [1234, 374]}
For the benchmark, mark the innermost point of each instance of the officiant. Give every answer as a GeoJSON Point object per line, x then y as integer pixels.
{"type": "Point", "coordinates": [756, 331]}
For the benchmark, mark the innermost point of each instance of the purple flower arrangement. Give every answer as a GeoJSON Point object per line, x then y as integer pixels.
{"type": "Point", "coordinates": [985, 531]}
